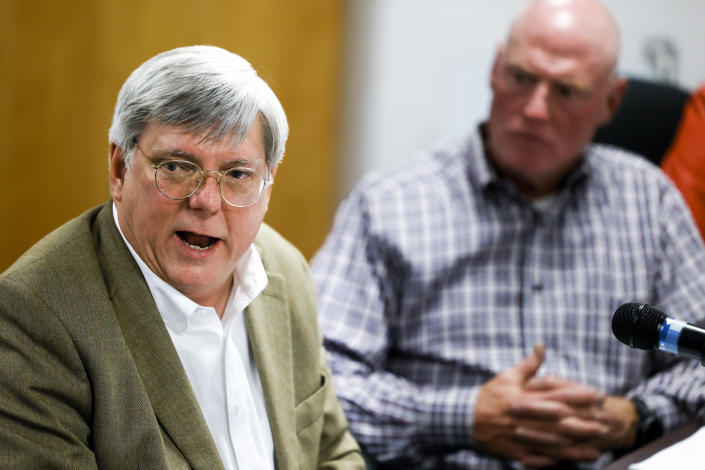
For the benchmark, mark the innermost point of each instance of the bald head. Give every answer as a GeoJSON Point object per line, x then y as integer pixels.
{"type": "Point", "coordinates": [554, 84]}
{"type": "Point", "coordinates": [570, 24]}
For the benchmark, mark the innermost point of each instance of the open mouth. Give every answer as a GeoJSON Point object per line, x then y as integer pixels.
{"type": "Point", "coordinates": [196, 241]}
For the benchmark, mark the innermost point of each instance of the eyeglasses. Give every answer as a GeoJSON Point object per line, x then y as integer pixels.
{"type": "Point", "coordinates": [181, 179]}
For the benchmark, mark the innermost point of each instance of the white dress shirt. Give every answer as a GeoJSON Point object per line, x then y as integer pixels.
{"type": "Point", "coordinates": [218, 361]}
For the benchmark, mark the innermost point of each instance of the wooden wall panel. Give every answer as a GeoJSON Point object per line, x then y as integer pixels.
{"type": "Point", "coordinates": [62, 64]}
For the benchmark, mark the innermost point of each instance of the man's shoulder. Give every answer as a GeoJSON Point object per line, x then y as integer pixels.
{"type": "Point", "coordinates": [62, 252]}
{"type": "Point", "coordinates": [268, 238]}
{"type": "Point", "coordinates": [287, 271]}
{"type": "Point", "coordinates": [60, 263]}
{"type": "Point", "coordinates": [619, 165]}
{"type": "Point", "coordinates": [277, 252]}
{"type": "Point", "coordinates": [425, 169]}
{"type": "Point", "coordinates": [612, 157]}
{"type": "Point", "coordinates": [630, 182]}
{"type": "Point", "coordinates": [59, 277]}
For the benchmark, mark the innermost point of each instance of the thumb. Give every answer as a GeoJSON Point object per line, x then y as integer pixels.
{"type": "Point", "coordinates": [531, 363]}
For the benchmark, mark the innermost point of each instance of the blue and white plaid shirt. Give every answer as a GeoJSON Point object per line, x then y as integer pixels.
{"type": "Point", "coordinates": [440, 275]}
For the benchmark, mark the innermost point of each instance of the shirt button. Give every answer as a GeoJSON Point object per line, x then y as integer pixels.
{"type": "Point", "coordinates": [236, 410]}
{"type": "Point", "coordinates": [537, 287]}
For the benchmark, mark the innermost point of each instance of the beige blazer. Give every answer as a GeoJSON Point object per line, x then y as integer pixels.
{"type": "Point", "coordinates": [89, 377]}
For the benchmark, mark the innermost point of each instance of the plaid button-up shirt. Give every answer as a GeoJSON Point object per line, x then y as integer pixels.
{"type": "Point", "coordinates": [440, 275]}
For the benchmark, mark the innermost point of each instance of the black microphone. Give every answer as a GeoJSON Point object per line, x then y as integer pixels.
{"type": "Point", "coordinates": [642, 326]}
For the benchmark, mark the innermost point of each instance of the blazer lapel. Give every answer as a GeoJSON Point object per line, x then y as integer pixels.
{"type": "Point", "coordinates": [268, 328]}
{"type": "Point", "coordinates": [164, 378]}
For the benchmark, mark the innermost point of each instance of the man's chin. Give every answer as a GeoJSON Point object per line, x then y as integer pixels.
{"type": "Point", "coordinates": [195, 282]}
{"type": "Point", "coordinates": [525, 161]}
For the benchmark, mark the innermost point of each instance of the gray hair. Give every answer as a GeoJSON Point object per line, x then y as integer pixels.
{"type": "Point", "coordinates": [208, 90]}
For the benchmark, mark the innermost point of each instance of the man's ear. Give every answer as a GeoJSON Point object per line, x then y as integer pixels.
{"type": "Point", "coordinates": [614, 98]}
{"type": "Point", "coordinates": [496, 66]}
{"type": "Point", "coordinates": [117, 170]}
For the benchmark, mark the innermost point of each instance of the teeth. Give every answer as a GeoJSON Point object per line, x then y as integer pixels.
{"type": "Point", "coordinates": [196, 247]}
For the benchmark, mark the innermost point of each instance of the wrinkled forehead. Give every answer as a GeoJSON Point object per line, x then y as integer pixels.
{"type": "Point", "coordinates": [204, 148]}
{"type": "Point", "coordinates": [561, 55]}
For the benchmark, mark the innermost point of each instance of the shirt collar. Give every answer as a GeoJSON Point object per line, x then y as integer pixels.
{"type": "Point", "coordinates": [178, 311]}
{"type": "Point", "coordinates": [480, 170]}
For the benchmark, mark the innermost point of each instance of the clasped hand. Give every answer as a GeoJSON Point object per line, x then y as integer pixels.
{"type": "Point", "coordinates": [541, 421]}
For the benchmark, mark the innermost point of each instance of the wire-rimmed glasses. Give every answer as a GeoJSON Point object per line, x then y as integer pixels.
{"type": "Point", "coordinates": [239, 186]}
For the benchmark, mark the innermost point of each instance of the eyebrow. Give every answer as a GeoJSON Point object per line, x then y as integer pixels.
{"type": "Point", "coordinates": [184, 155]}
{"type": "Point", "coordinates": [554, 81]}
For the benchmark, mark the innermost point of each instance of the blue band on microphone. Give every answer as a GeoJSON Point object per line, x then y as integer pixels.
{"type": "Point", "coordinates": [668, 338]}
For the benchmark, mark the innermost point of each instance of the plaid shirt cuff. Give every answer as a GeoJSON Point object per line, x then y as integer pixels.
{"type": "Point", "coordinates": [451, 417]}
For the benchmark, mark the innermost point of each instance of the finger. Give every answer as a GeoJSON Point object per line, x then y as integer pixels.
{"type": "Point", "coordinates": [531, 363]}
{"type": "Point", "coordinates": [547, 382]}
{"type": "Point", "coordinates": [589, 413]}
{"type": "Point", "coordinates": [575, 395]}
{"type": "Point", "coordinates": [583, 451]}
{"type": "Point", "coordinates": [543, 410]}
{"type": "Point", "coordinates": [566, 391]}
{"type": "Point", "coordinates": [541, 437]}
{"type": "Point", "coordinates": [580, 428]}
{"type": "Point", "coordinates": [538, 461]}
{"type": "Point", "coordinates": [540, 351]}
{"type": "Point", "coordinates": [505, 446]}
{"type": "Point", "coordinates": [580, 453]}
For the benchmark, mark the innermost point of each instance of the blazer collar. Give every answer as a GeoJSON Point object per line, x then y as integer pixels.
{"type": "Point", "coordinates": [165, 381]}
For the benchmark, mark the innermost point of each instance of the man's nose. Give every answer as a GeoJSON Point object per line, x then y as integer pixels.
{"type": "Point", "coordinates": [208, 195]}
{"type": "Point", "coordinates": [536, 106]}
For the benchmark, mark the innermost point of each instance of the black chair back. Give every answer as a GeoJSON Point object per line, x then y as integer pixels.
{"type": "Point", "coordinates": [647, 119]}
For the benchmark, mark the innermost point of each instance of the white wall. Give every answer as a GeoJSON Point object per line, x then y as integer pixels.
{"type": "Point", "coordinates": [417, 70]}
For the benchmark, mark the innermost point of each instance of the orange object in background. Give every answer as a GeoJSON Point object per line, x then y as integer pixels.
{"type": "Point", "coordinates": [684, 161]}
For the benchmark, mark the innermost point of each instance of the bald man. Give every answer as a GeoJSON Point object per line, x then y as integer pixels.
{"type": "Point", "coordinates": [466, 299]}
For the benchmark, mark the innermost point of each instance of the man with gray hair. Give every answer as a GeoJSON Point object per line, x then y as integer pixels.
{"type": "Point", "coordinates": [466, 298]}
{"type": "Point", "coordinates": [170, 328]}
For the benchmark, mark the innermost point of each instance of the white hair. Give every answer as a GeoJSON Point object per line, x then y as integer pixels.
{"type": "Point", "coordinates": [208, 90]}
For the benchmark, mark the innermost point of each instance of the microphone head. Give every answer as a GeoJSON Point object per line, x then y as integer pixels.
{"type": "Point", "coordinates": [638, 325]}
